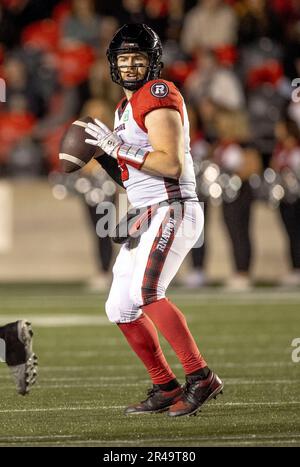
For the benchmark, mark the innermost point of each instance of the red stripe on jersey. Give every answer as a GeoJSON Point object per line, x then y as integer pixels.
{"type": "Point", "coordinates": [121, 106]}
{"type": "Point", "coordinates": [158, 255]}
{"type": "Point", "coordinates": [143, 101]}
{"type": "Point", "coordinates": [173, 188]}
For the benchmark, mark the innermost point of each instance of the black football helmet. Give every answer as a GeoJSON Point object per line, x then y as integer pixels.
{"type": "Point", "coordinates": [135, 38]}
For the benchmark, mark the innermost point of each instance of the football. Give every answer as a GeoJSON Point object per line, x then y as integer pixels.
{"type": "Point", "coordinates": [74, 153]}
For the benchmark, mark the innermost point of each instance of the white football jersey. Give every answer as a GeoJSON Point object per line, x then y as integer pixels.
{"type": "Point", "coordinates": [144, 189]}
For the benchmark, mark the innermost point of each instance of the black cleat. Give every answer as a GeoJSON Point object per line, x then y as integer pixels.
{"type": "Point", "coordinates": [196, 393]}
{"type": "Point", "coordinates": [156, 402]}
{"type": "Point", "coordinates": [20, 358]}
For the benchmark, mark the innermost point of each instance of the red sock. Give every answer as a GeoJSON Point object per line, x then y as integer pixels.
{"type": "Point", "coordinates": [143, 339]}
{"type": "Point", "coordinates": [172, 324]}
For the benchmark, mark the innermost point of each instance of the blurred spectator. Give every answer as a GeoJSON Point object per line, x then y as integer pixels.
{"type": "Point", "coordinates": [102, 109]}
{"type": "Point", "coordinates": [157, 15]}
{"type": "Point", "coordinates": [130, 11]}
{"type": "Point", "coordinates": [15, 15]}
{"type": "Point", "coordinates": [63, 106]}
{"type": "Point", "coordinates": [199, 146]}
{"type": "Point", "coordinates": [267, 98]}
{"type": "Point", "coordinates": [109, 26]}
{"type": "Point", "coordinates": [176, 64]}
{"type": "Point", "coordinates": [209, 24]}
{"type": "Point", "coordinates": [41, 35]}
{"type": "Point", "coordinates": [73, 63]}
{"type": "Point", "coordinates": [289, 12]}
{"type": "Point", "coordinates": [15, 136]}
{"type": "Point", "coordinates": [99, 84]}
{"type": "Point", "coordinates": [235, 156]}
{"type": "Point", "coordinates": [211, 81]}
{"type": "Point", "coordinates": [20, 91]}
{"type": "Point", "coordinates": [199, 151]}
{"type": "Point", "coordinates": [211, 86]}
{"type": "Point", "coordinates": [286, 160]}
{"type": "Point", "coordinates": [171, 47]}
{"type": "Point", "coordinates": [83, 25]}
{"type": "Point", "coordinates": [260, 68]}
{"type": "Point", "coordinates": [258, 19]}
{"type": "Point", "coordinates": [19, 154]}
{"type": "Point", "coordinates": [26, 159]}
{"type": "Point", "coordinates": [293, 109]}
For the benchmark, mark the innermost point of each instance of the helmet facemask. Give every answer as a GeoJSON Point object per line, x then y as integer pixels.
{"type": "Point", "coordinates": [133, 39]}
{"type": "Point", "coordinates": [152, 69]}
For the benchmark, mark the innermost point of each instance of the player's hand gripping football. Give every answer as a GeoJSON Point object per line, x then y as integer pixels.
{"type": "Point", "coordinates": [103, 137]}
{"type": "Point", "coordinates": [113, 145]}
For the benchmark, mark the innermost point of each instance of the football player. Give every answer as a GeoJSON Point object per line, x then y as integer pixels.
{"type": "Point", "coordinates": [16, 350]}
{"type": "Point", "coordinates": [150, 143]}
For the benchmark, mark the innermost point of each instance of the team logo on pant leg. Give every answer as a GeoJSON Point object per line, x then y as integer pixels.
{"type": "Point", "coordinates": [167, 232]}
{"type": "Point", "coordinates": [159, 90]}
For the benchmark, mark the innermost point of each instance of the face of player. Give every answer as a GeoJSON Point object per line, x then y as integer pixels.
{"type": "Point", "coordinates": [133, 66]}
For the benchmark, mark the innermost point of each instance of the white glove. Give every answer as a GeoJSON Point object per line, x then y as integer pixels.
{"type": "Point", "coordinates": [104, 138]}
{"type": "Point", "coordinates": [113, 145]}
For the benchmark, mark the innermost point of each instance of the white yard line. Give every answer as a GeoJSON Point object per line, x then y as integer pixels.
{"type": "Point", "coordinates": [227, 381]}
{"type": "Point", "coordinates": [109, 352]}
{"type": "Point", "coordinates": [257, 296]}
{"type": "Point", "coordinates": [85, 378]}
{"type": "Point", "coordinates": [41, 304]}
{"type": "Point", "coordinates": [60, 320]}
{"type": "Point", "coordinates": [220, 294]}
{"type": "Point", "coordinates": [61, 409]}
{"type": "Point", "coordinates": [102, 367]}
{"type": "Point", "coordinates": [82, 385]}
{"type": "Point", "coordinates": [161, 444]}
{"type": "Point", "coordinates": [118, 407]}
{"type": "Point", "coordinates": [276, 438]}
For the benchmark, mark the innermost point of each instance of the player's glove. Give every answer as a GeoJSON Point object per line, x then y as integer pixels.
{"type": "Point", "coordinates": [113, 145]}
{"type": "Point", "coordinates": [103, 138]}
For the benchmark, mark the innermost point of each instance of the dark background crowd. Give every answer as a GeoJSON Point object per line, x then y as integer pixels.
{"type": "Point", "coordinates": [234, 61]}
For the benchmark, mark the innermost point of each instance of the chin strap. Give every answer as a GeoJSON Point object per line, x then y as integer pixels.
{"type": "Point", "coordinates": [133, 86]}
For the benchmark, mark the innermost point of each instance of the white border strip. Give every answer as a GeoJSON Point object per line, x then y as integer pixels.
{"type": "Point", "coordinates": [80, 123]}
{"type": "Point", "coordinates": [68, 157]}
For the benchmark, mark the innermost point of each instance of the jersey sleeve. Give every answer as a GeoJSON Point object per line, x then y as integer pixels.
{"type": "Point", "coordinates": [110, 165]}
{"type": "Point", "coordinates": [154, 95]}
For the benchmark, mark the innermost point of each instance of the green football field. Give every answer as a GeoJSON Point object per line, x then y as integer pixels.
{"type": "Point", "coordinates": [88, 374]}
